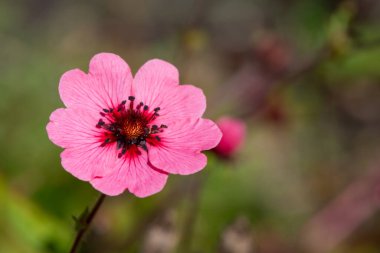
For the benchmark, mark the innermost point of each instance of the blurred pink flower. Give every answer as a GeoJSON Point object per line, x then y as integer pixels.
{"type": "Point", "coordinates": [121, 132]}
{"type": "Point", "coordinates": [234, 131]}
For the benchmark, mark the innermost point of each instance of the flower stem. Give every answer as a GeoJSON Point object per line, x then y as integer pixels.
{"type": "Point", "coordinates": [86, 225]}
{"type": "Point", "coordinates": [195, 201]}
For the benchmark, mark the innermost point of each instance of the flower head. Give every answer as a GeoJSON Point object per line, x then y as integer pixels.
{"type": "Point", "coordinates": [234, 131]}
{"type": "Point", "coordinates": [128, 133]}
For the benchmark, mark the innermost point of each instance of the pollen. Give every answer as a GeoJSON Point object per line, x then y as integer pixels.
{"type": "Point", "coordinates": [132, 129]}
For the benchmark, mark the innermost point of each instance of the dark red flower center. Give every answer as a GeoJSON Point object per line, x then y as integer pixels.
{"type": "Point", "coordinates": [130, 126]}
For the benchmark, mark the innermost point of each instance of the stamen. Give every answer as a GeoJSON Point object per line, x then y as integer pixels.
{"type": "Point", "coordinates": [129, 128]}
{"type": "Point", "coordinates": [131, 98]}
{"type": "Point", "coordinates": [105, 142]}
{"type": "Point", "coordinates": [143, 145]}
{"type": "Point", "coordinates": [146, 131]}
{"type": "Point", "coordinates": [100, 123]}
{"type": "Point", "coordinates": [120, 144]}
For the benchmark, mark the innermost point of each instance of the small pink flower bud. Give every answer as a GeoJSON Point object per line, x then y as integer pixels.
{"type": "Point", "coordinates": [234, 131]}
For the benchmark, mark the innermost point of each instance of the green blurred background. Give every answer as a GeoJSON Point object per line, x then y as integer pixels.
{"type": "Point", "coordinates": [303, 74]}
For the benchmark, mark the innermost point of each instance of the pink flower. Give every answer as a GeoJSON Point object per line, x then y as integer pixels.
{"type": "Point", "coordinates": [234, 131]}
{"type": "Point", "coordinates": [121, 132]}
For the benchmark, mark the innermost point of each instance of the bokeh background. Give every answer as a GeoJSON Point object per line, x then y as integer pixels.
{"type": "Point", "coordinates": [304, 75]}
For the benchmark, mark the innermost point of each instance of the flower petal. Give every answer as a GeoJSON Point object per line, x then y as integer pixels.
{"type": "Point", "coordinates": [181, 144]}
{"type": "Point", "coordinates": [153, 77]}
{"type": "Point", "coordinates": [108, 83]}
{"type": "Point", "coordinates": [157, 85]}
{"type": "Point", "coordinates": [72, 127]}
{"type": "Point", "coordinates": [135, 174]}
{"type": "Point", "coordinates": [180, 103]}
{"type": "Point", "coordinates": [89, 162]}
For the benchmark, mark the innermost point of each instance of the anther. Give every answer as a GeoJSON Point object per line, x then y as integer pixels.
{"type": "Point", "coordinates": [143, 145]}
{"type": "Point", "coordinates": [157, 109]}
{"type": "Point", "coordinates": [105, 142]}
{"type": "Point", "coordinates": [131, 98]}
{"type": "Point", "coordinates": [110, 128]}
{"type": "Point", "coordinates": [146, 108]}
{"type": "Point", "coordinates": [157, 138]}
{"type": "Point", "coordinates": [106, 110]}
{"type": "Point", "coordinates": [120, 144]}
{"type": "Point", "coordinates": [123, 151]}
{"type": "Point", "coordinates": [121, 105]}
{"type": "Point", "coordinates": [102, 114]}
{"type": "Point", "coordinates": [100, 123]}
{"type": "Point", "coordinates": [154, 127]}
{"type": "Point", "coordinates": [163, 126]}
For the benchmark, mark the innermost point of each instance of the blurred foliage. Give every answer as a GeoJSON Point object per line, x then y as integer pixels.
{"type": "Point", "coordinates": [304, 75]}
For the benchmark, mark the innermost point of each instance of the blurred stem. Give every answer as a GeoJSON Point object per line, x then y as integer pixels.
{"type": "Point", "coordinates": [82, 231]}
{"type": "Point", "coordinates": [195, 199]}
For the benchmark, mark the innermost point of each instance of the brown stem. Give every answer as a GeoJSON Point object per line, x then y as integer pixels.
{"type": "Point", "coordinates": [87, 222]}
